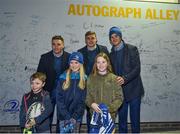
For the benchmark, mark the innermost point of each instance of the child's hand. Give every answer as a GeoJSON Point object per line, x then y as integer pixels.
{"type": "Point", "coordinates": [30, 123]}
{"type": "Point", "coordinates": [73, 121]}
{"type": "Point", "coordinates": [96, 108]}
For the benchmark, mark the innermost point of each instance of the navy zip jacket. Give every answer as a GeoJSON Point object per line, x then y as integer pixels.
{"type": "Point", "coordinates": [42, 121]}
{"type": "Point", "coordinates": [70, 102]}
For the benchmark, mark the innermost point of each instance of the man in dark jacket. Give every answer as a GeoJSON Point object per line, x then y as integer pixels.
{"type": "Point", "coordinates": [126, 65]}
{"type": "Point", "coordinates": [91, 50]}
{"type": "Point", "coordinates": [89, 53]}
{"type": "Point", "coordinates": [54, 63]}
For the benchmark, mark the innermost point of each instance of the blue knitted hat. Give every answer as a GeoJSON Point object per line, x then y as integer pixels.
{"type": "Point", "coordinates": [76, 56]}
{"type": "Point", "coordinates": [115, 30]}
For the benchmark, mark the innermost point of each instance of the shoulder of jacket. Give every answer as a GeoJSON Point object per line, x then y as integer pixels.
{"type": "Point", "coordinates": [113, 77]}
{"type": "Point", "coordinates": [47, 54]}
{"type": "Point", "coordinates": [66, 53]}
{"type": "Point", "coordinates": [82, 49]}
{"type": "Point", "coordinates": [101, 46]}
{"type": "Point", "coordinates": [129, 46]}
{"type": "Point", "coordinates": [62, 76]}
{"type": "Point", "coordinates": [44, 93]}
{"type": "Point", "coordinates": [91, 77]}
{"type": "Point", "coordinates": [27, 95]}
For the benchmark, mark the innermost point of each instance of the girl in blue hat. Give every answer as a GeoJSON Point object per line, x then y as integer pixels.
{"type": "Point", "coordinates": [71, 94]}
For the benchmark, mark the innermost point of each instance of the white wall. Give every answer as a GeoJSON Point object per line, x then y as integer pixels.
{"type": "Point", "coordinates": [26, 28]}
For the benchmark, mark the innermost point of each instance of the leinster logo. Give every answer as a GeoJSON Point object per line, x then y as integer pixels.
{"type": "Point", "coordinates": [11, 106]}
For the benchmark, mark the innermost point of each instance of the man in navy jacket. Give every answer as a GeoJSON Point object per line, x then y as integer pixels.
{"type": "Point", "coordinates": [54, 63]}
{"type": "Point", "coordinates": [126, 65]}
{"type": "Point", "coordinates": [89, 53]}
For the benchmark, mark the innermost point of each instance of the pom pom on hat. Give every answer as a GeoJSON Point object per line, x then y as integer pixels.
{"type": "Point", "coordinates": [115, 30]}
{"type": "Point", "coordinates": [76, 56]}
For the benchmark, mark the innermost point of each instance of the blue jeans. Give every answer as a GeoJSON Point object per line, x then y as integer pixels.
{"type": "Point", "coordinates": [134, 106]}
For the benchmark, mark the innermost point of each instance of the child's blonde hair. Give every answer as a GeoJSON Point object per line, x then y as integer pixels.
{"type": "Point", "coordinates": [82, 80]}
{"type": "Point", "coordinates": [39, 75]}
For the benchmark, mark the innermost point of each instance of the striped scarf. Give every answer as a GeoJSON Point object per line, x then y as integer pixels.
{"type": "Point", "coordinates": [102, 122]}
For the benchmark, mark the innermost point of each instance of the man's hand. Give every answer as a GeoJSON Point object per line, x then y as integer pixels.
{"type": "Point", "coordinates": [120, 80]}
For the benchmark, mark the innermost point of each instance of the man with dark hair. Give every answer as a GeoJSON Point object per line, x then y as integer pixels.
{"type": "Point", "coordinates": [54, 63]}
{"type": "Point", "coordinates": [126, 65]}
{"type": "Point", "coordinates": [89, 53]}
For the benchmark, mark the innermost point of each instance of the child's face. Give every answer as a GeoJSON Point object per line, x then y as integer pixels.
{"type": "Point", "coordinates": [37, 85]}
{"type": "Point", "coordinates": [74, 65]}
{"type": "Point", "coordinates": [101, 64]}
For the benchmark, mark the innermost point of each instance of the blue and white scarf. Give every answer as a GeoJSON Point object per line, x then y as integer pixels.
{"type": "Point", "coordinates": [102, 122]}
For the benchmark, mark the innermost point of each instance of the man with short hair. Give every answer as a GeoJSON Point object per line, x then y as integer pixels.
{"type": "Point", "coordinates": [89, 53]}
{"type": "Point", "coordinates": [126, 65]}
{"type": "Point", "coordinates": [91, 50]}
{"type": "Point", "coordinates": [54, 63]}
